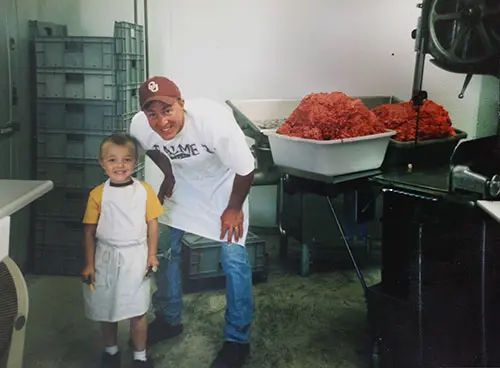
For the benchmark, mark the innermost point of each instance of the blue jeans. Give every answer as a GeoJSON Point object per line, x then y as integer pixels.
{"type": "Point", "coordinates": [167, 300]}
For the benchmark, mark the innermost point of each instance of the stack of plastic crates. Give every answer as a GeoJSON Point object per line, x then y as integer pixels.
{"type": "Point", "coordinates": [86, 90]}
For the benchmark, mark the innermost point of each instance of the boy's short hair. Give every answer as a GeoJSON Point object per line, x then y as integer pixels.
{"type": "Point", "coordinates": [121, 139]}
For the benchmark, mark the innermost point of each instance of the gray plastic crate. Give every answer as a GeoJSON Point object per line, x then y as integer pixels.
{"type": "Point", "coordinates": [59, 232]}
{"type": "Point", "coordinates": [44, 29]}
{"type": "Point", "coordinates": [202, 256]}
{"type": "Point", "coordinates": [58, 260]}
{"type": "Point", "coordinates": [129, 38]}
{"type": "Point", "coordinates": [128, 99]}
{"type": "Point", "coordinates": [74, 173]}
{"type": "Point", "coordinates": [70, 174]}
{"type": "Point", "coordinates": [76, 52]}
{"type": "Point", "coordinates": [71, 116]}
{"type": "Point", "coordinates": [54, 144]}
{"type": "Point", "coordinates": [76, 84]}
{"type": "Point", "coordinates": [130, 69]}
{"type": "Point", "coordinates": [63, 203]}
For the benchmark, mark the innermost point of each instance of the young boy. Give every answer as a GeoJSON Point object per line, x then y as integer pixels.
{"type": "Point", "coordinates": [120, 241]}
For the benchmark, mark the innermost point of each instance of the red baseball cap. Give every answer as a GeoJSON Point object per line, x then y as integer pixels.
{"type": "Point", "coordinates": [158, 89]}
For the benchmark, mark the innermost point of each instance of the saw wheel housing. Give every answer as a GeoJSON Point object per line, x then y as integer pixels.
{"type": "Point", "coordinates": [465, 32]}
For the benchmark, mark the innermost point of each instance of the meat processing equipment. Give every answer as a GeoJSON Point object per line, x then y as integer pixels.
{"type": "Point", "coordinates": [462, 36]}
{"type": "Point", "coordinates": [474, 168]}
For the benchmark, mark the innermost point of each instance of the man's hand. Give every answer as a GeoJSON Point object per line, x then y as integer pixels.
{"type": "Point", "coordinates": [232, 224]}
{"type": "Point", "coordinates": [166, 188]}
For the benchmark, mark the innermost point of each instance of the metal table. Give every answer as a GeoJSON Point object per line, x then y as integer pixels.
{"type": "Point", "coordinates": [297, 182]}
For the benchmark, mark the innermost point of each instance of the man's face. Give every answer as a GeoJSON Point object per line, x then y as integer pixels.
{"type": "Point", "coordinates": [166, 120]}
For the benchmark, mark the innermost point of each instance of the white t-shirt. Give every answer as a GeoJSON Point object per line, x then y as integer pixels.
{"type": "Point", "coordinates": [205, 156]}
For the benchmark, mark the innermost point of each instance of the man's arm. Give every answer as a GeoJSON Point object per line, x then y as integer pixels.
{"type": "Point", "coordinates": [241, 188]}
{"type": "Point", "coordinates": [161, 161]}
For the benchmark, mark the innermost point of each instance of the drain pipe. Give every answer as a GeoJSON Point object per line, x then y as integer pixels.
{"type": "Point", "coordinates": [146, 39]}
{"type": "Point", "coordinates": [135, 12]}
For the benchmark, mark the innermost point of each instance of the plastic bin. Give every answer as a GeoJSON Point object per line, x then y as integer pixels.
{"type": "Point", "coordinates": [331, 158]}
{"type": "Point", "coordinates": [75, 173]}
{"type": "Point", "coordinates": [46, 29]}
{"type": "Point", "coordinates": [128, 99]}
{"type": "Point", "coordinates": [202, 256]}
{"type": "Point", "coordinates": [71, 174]}
{"type": "Point", "coordinates": [58, 260]}
{"type": "Point", "coordinates": [76, 84]}
{"type": "Point", "coordinates": [130, 69]}
{"type": "Point", "coordinates": [69, 145]}
{"type": "Point", "coordinates": [71, 116]}
{"type": "Point", "coordinates": [76, 52]}
{"type": "Point", "coordinates": [59, 232]}
{"type": "Point", "coordinates": [434, 152]}
{"type": "Point", "coordinates": [129, 38]}
{"type": "Point", "coordinates": [63, 203]}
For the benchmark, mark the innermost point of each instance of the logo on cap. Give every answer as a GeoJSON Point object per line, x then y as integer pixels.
{"type": "Point", "coordinates": [153, 86]}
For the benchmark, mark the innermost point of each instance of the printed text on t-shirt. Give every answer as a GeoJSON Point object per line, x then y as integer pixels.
{"type": "Point", "coordinates": [181, 150]}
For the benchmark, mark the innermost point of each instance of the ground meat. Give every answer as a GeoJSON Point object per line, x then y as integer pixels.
{"type": "Point", "coordinates": [434, 120]}
{"type": "Point", "coordinates": [328, 116]}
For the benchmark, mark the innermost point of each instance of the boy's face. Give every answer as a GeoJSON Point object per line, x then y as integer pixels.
{"type": "Point", "coordinates": [118, 162]}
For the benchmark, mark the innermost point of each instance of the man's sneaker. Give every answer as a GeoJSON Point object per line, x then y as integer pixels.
{"type": "Point", "coordinates": [159, 330]}
{"type": "Point", "coordinates": [110, 361]}
{"type": "Point", "coordinates": [232, 355]}
{"type": "Point", "coordinates": [142, 363]}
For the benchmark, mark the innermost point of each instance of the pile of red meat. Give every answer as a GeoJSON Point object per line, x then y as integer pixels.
{"type": "Point", "coordinates": [434, 121]}
{"type": "Point", "coordinates": [328, 116]}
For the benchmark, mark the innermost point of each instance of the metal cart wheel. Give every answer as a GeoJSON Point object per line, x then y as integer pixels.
{"type": "Point", "coordinates": [465, 31]}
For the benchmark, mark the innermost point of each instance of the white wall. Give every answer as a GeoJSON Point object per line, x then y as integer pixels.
{"type": "Point", "coordinates": [226, 49]}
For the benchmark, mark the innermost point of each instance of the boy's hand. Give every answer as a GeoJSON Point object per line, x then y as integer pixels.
{"type": "Point", "coordinates": [88, 273]}
{"type": "Point", "coordinates": [153, 261]}
{"type": "Point", "coordinates": [152, 265]}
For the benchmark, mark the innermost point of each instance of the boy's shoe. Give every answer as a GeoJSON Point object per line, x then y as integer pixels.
{"type": "Point", "coordinates": [110, 361]}
{"type": "Point", "coordinates": [159, 330]}
{"type": "Point", "coordinates": [142, 363]}
{"type": "Point", "coordinates": [232, 355]}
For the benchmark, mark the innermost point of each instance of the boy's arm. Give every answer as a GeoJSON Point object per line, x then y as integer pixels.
{"type": "Point", "coordinates": [90, 219]}
{"type": "Point", "coordinates": [89, 244]}
{"type": "Point", "coordinates": [153, 235]}
{"type": "Point", "coordinates": [153, 210]}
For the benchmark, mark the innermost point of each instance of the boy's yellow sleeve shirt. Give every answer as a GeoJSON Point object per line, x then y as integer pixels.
{"type": "Point", "coordinates": [93, 209]}
{"type": "Point", "coordinates": [154, 209]}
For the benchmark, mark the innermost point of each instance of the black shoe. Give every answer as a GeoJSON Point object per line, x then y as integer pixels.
{"type": "Point", "coordinates": [232, 355]}
{"type": "Point", "coordinates": [142, 363]}
{"type": "Point", "coordinates": [110, 361]}
{"type": "Point", "coordinates": [159, 330]}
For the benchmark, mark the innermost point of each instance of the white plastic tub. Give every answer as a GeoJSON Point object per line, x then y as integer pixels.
{"type": "Point", "coordinates": [331, 158]}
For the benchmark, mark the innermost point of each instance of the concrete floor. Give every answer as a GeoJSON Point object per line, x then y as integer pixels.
{"type": "Point", "coordinates": [318, 321]}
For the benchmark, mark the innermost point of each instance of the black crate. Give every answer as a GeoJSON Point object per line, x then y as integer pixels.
{"type": "Point", "coordinates": [202, 268]}
{"type": "Point", "coordinates": [58, 260]}
{"type": "Point", "coordinates": [434, 152]}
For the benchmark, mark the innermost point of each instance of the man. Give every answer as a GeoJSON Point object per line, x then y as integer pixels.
{"type": "Point", "coordinates": [199, 144]}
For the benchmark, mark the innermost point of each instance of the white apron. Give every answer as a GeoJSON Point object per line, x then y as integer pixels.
{"type": "Point", "coordinates": [120, 290]}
